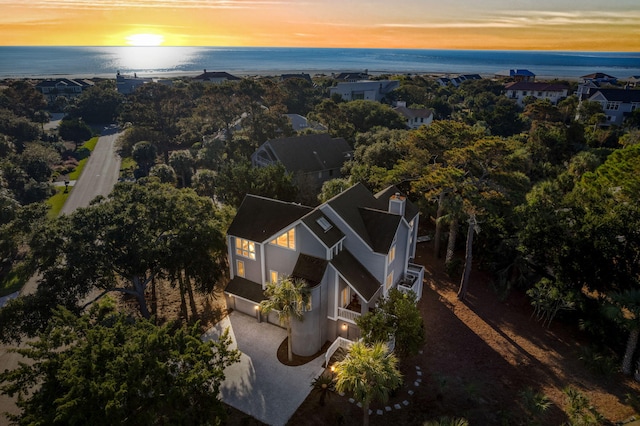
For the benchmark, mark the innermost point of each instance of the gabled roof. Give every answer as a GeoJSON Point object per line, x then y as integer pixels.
{"type": "Point", "coordinates": [357, 275]}
{"type": "Point", "coordinates": [329, 237]}
{"type": "Point", "coordinates": [619, 95]}
{"type": "Point", "coordinates": [368, 215]}
{"type": "Point", "coordinates": [309, 153]}
{"type": "Point", "coordinates": [63, 82]}
{"type": "Point", "coordinates": [259, 218]}
{"type": "Point", "coordinates": [414, 112]}
{"type": "Point", "coordinates": [208, 75]}
{"type": "Point", "coordinates": [303, 76]}
{"type": "Point", "coordinates": [598, 76]}
{"type": "Point", "coordinates": [310, 268]}
{"type": "Point", "coordinates": [352, 76]}
{"type": "Point", "coordinates": [536, 86]}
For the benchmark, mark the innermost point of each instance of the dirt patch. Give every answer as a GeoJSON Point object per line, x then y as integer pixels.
{"type": "Point", "coordinates": [479, 355]}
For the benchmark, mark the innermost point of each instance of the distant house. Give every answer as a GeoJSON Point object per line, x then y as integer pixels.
{"type": "Point", "coordinates": [600, 78]}
{"type": "Point", "coordinates": [519, 90]}
{"type": "Point", "coordinates": [128, 84]}
{"type": "Point", "coordinates": [517, 75]}
{"type": "Point", "coordinates": [350, 251]}
{"type": "Point", "coordinates": [67, 88]}
{"type": "Point", "coordinates": [216, 77]}
{"type": "Point", "coordinates": [350, 77]}
{"type": "Point", "coordinates": [302, 76]}
{"type": "Point", "coordinates": [316, 157]}
{"type": "Point", "coordinates": [300, 123]}
{"type": "Point", "coordinates": [586, 89]}
{"type": "Point", "coordinates": [617, 103]}
{"type": "Point", "coordinates": [415, 117]}
{"type": "Point", "coordinates": [457, 81]}
{"type": "Point", "coordinates": [634, 81]}
{"type": "Point", "coordinates": [364, 90]}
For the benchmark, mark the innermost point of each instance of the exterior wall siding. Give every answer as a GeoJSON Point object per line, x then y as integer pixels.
{"type": "Point", "coordinates": [252, 267]}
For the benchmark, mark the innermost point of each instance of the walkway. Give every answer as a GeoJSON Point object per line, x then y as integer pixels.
{"type": "Point", "coordinates": [259, 385]}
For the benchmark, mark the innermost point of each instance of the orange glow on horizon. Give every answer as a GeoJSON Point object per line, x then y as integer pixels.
{"type": "Point", "coordinates": [279, 23]}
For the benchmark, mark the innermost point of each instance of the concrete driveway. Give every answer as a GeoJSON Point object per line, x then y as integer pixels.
{"type": "Point", "coordinates": [259, 384]}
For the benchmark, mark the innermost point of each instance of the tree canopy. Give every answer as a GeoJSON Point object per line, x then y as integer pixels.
{"type": "Point", "coordinates": [105, 368]}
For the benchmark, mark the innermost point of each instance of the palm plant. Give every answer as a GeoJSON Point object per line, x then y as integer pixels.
{"type": "Point", "coordinates": [625, 308]}
{"type": "Point", "coordinates": [324, 385]}
{"type": "Point", "coordinates": [368, 373]}
{"type": "Point", "coordinates": [289, 298]}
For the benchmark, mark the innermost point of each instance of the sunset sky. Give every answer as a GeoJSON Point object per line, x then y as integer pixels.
{"type": "Point", "coordinates": [438, 24]}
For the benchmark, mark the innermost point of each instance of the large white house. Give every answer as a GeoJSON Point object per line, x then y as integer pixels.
{"type": "Point", "coordinates": [350, 251]}
{"type": "Point", "coordinates": [364, 90]}
{"type": "Point", "coordinates": [617, 103]}
{"type": "Point", "coordinates": [519, 90]}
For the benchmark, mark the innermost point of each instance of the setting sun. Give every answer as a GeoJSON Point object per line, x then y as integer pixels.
{"type": "Point", "coordinates": [145, 40]}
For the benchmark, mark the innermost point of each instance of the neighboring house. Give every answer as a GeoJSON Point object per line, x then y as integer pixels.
{"type": "Point", "coordinates": [351, 77]}
{"type": "Point", "coordinates": [586, 89]}
{"type": "Point", "coordinates": [316, 157]}
{"type": "Point", "coordinates": [519, 90]}
{"type": "Point", "coordinates": [350, 250]}
{"type": "Point", "coordinates": [600, 78]}
{"type": "Point", "coordinates": [415, 117]}
{"type": "Point", "coordinates": [302, 76]}
{"type": "Point", "coordinates": [634, 81]}
{"type": "Point", "coordinates": [517, 75]}
{"type": "Point", "coordinates": [52, 89]}
{"type": "Point", "coordinates": [127, 84]}
{"type": "Point", "coordinates": [617, 103]}
{"type": "Point", "coordinates": [216, 77]}
{"type": "Point", "coordinates": [300, 123]}
{"type": "Point", "coordinates": [364, 90]}
{"type": "Point", "coordinates": [457, 81]}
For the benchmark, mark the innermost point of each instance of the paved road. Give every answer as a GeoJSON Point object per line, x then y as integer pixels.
{"type": "Point", "coordinates": [98, 178]}
{"type": "Point", "coordinates": [99, 175]}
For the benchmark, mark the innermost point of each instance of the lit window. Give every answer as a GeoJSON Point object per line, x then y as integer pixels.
{"type": "Point", "coordinates": [274, 276]}
{"type": "Point", "coordinates": [288, 239]}
{"type": "Point", "coordinates": [389, 280]}
{"type": "Point", "coordinates": [240, 268]}
{"type": "Point", "coordinates": [392, 254]}
{"type": "Point", "coordinates": [246, 248]}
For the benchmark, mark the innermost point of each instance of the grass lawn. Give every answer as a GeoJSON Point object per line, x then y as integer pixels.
{"type": "Point", "coordinates": [16, 278]}
{"type": "Point", "coordinates": [57, 201]}
{"type": "Point", "coordinates": [90, 145]}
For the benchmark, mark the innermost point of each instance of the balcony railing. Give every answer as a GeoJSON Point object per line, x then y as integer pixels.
{"type": "Point", "coordinates": [348, 315]}
{"type": "Point", "coordinates": [412, 281]}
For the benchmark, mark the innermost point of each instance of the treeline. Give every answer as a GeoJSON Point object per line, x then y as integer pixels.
{"type": "Point", "coordinates": [544, 201]}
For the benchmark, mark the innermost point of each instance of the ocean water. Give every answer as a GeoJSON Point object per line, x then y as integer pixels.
{"type": "Point", "coordinates": [18, 61]}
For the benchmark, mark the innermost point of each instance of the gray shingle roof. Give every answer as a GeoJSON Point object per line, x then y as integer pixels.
{"type": "Point", "coordinates": [310, 153]}
{"type": "Point", "coordinates": [245, 289]}
{"type": "Point", "coordinates": [620, 95]}
{"type": "Point", "coordinates": [259, 218]}
{"type": "Point", "coordinates": [356, 274]}
{"type": "Point", "coordinates": [368, 215]}
{"type": "Point", "coordinates": [310, 268]}
{"type": "Point", "coordinates": [329, 237]}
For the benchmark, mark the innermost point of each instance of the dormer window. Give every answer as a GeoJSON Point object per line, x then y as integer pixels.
{"type": "Point", "coordinates": [324, 224]}
{"type": "Point", "coordinates": [288, 239]}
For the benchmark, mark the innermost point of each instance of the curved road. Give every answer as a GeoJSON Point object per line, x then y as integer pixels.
{"type": "Point", "coordinates": [98, 178]}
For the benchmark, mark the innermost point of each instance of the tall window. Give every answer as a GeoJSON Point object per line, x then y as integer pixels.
{"type": "Point", "coordinates": [246, 248]}
{"type": "Point", "coordinates": [389, 280]}
{"type": "Point", "coordinates": [344, 297]}
{"type": "Point", "coordinates": [240, 268]}
{"type": "Point", "coordinates": [392, 254]}
{"type": "Point", "coordinates": [288, 239]}
{"type": "Point", "coordinates": [273, 276]}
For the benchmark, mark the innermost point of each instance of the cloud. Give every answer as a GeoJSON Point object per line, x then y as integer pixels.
{"type": "Point", "coordinates": [124, 4]}
{"type": "Point", "coordinates": [527, 19]}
